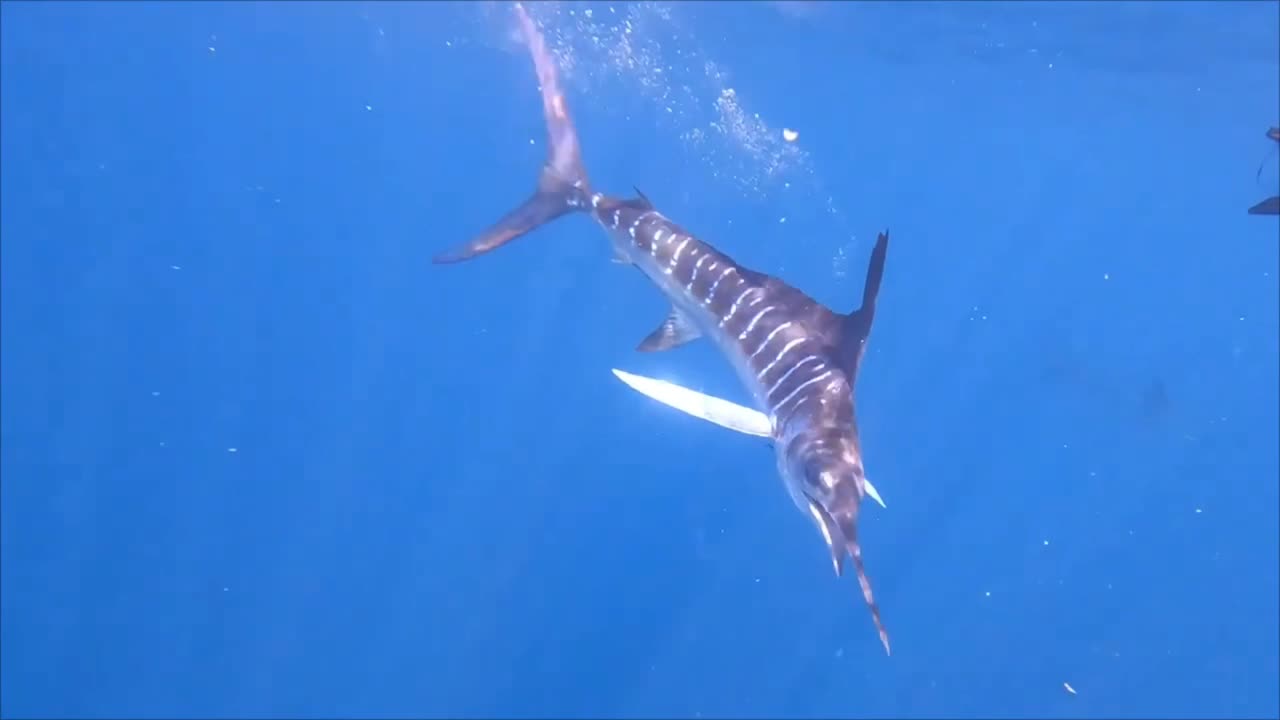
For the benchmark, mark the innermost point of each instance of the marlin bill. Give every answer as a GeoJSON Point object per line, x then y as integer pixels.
{"type": "Point", "coordinates": [797, 358]}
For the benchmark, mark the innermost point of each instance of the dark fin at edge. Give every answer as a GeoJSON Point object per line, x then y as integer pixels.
{"type": "Point", "coordinates": [562, 186]}
{"type": "Point", "coordinates": [676, 330]}
{"type": "Point", "coordinates": [1274, 133]}
{"type": "Point", "coordinates": [644, 203]}
{"type": "Point", "coordinates": [547, 203]}
{"type": "Point", "coordinates": [1270, 206]}
{"type": "Point", "coordinates": [856, 326]}
{"type": "Point", "coordinates": [605, 204]}
{"type": "Point", "coordinates": [844, 539]}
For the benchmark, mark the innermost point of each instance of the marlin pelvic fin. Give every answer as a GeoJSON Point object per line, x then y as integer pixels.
{"type": "Point", "coordinates": [676, 330]}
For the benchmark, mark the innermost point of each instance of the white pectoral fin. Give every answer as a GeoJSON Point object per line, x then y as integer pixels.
{"type": "Point", "coordinates": [712, 409]}
{"type": "Point", "coordinates": [700, 405]}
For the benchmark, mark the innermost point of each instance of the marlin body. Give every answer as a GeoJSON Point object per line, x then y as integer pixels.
{"type": "Point", "coordinates": [797, 358]}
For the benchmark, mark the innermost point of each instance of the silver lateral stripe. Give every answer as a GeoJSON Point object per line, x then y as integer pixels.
{"type": "Point", "coordinates": [796, 392]}
{"type": "Point", "coordinates": [769, 337]}
{"type": "Point", "coordinates": [694, 276]}
{"type": "Point", "coordinates": [805, 360]}
{"type": "Point", "coordinates": [675, 257]}
{"type": "Point", "coordinates": [751, 325]}
{"type": "Point", "coordinates": [734, 308]}
{"type": "Point", "coordinates": [711, 294]}
{"type": "Point", "coordinates": [781, 353]}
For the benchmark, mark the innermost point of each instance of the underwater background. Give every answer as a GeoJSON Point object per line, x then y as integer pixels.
{"type": "Point", "coordinates": [261, 458]}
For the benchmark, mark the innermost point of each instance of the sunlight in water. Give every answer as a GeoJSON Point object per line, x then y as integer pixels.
{"type": "Point", "coordinates": [646, 49]}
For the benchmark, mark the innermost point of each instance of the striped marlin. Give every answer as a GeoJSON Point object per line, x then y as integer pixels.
{"type": "Point", "coordinates": [797, 358]}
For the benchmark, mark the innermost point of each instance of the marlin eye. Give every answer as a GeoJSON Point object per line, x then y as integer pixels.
{"type": "Point", "coordinates": [819, 478]}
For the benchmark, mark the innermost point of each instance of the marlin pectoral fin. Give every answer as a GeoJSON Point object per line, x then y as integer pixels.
{"type": "Point", "coordinates": [676, 330]}
{"type": "Point", "coordinates": [713, 409]}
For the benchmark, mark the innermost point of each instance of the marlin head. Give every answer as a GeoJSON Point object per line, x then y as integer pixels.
{"type": "Point", "coordinates": [822, 468]}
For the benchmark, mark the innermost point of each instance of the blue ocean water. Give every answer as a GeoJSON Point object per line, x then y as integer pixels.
{"type": "Point", "coordinates": [260, 458]}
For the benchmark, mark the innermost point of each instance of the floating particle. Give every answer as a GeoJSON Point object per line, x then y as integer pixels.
{"type": "Point", "coordinates": [1070, 689]}
{"type": "Point", "coordinates": [233, 450]}
{"type": "Point", "coordinates": [789, 135]}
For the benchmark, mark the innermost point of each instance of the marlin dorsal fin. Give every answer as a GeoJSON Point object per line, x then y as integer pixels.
{"type": "Point", "coordinates": [643, 201]}
{"type": "Point", "coordinates": [855, 327]}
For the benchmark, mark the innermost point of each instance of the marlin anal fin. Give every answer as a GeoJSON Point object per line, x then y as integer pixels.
{"type": "Point", "coordinates": [676, 330]}
{"type": "Point", "coordinates": [562, 186]}
{"type": "Point", "coordinates": [855, 327]}
{"type": "Point", "coordinates": [715, 410]}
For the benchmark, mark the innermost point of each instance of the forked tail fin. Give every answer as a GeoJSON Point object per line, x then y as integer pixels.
{"type": "Point", "coordinates": [562, 186]}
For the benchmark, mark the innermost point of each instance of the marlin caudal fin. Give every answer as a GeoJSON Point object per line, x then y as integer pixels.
{"type": "Point", "coordinates": [841, 533]}
{"type": "Point", "coordinates": [856, 326]}
{"type": "Point", "coordinates": [562, 186]}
